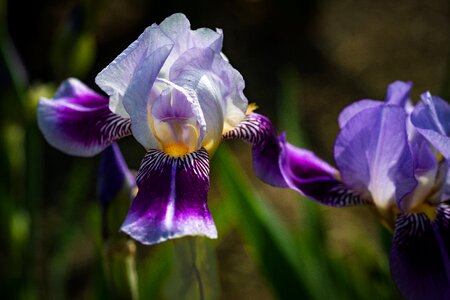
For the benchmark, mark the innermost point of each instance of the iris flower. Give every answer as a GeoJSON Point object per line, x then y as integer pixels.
{"type": "Point", "coordinates": [393, 156]}
{"type": "Point", "coordinates": [177, 94]}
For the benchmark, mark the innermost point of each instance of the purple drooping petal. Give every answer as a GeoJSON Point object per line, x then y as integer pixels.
{"type": "Point", "coordinates": [78, 121]}
{"type": "Point", "coordinates": [442, 231]}
{"type": "Point", "coordinates": [314, 178]}
{"type": "Point", "coordinates": [398, 93]}
{"type": "Point", "coordinates": [431, 118]}
{"type": "Point", "coordinates": [373, 155]}
{"type": "Point", "coordinates": [258, 130]}
{"type": "Point", "coordinates": [418, 266]}
{"type": "Point", "coordinates": [114, 175]}
{"type": "Point", "coordinates": [171, 200]}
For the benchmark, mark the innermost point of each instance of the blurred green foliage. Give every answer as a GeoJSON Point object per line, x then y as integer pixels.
{"type": "Point", "coordinates": [50, 223]}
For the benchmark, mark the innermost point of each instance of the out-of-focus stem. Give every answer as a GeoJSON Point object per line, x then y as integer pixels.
{"type": "Point", "coordinates": [120, 268]}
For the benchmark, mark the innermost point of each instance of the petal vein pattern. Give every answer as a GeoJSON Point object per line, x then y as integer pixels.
{"type": "Point", "coordinates": [78, 120]}
{"type": "Point", "coordinates": [172, 198]}
{"type": "Point", "coordinates": [258, 130]}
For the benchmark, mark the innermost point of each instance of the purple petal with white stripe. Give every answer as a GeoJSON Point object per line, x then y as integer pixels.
{"type": "Point", "coordinates": [114, 175]}
{"type": "Point", "coordinates": [373, 155]}
{"type": "Point", "coordinates": [172, 198]}
{"type": "Point", "coordinates": [258, 130]}
{"type": "Point", "coordinates": [78, 121]}
{"type": "Point", "coordinates": [419, 256]}
{"type": "Point", "coordinates": [314, 178]}
{"type": "Point", "coordinates": [431, 118]}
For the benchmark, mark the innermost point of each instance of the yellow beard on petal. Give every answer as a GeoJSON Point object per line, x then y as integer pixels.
{"type": "Point", "coordinates": [427, 209]}
{"type": "Point", "coordinates": [177, 137]}
{"type": "Point", "coordinates": [175, 150]}
{"type": "Point", "coordinates": [211, 146]}
{"type": "Point", "coordinates": [251, 108]}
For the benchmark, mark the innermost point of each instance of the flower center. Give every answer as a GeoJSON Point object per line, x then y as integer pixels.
{"type": "Point", "coordinates": [427, 209]}
{"type": "Point", "coordinates": [175, 150]}
{"type": "Point", "coordinates": [177, 137]}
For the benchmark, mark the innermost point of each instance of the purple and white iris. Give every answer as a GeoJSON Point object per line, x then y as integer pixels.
{"type": "Point", "coordinates": [396, 157]}
{"type": "Point", "coordinates": [177, 94]}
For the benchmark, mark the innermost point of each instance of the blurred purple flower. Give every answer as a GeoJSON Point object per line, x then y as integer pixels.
{"type": "Point", "coordinates": [386, 156]}
{"type": "Point", "coordinates": [114, 176]}
{"type": "Point", "coordinates": [178, 95]}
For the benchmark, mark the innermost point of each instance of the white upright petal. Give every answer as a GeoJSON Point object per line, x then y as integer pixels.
{"type": "Point", "coordinates": [116, 78]}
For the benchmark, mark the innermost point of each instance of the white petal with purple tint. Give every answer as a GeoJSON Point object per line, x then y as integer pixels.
{"type": "Point", "coordinates": [118, 75]}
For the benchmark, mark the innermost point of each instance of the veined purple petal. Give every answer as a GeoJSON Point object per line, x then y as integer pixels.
{"type": "Point", "coordinates": [431, 118]}
{"type": "Point", "coordinates": [398, 92]}
{"type": "Point", "coordinates": [314, 178]}
{"type": "Point", "coordinates": [355, 108]}
{"type": "Point", "coordinates": [419, 256]}
{"type": "Point", "coordinates": [114, 175]}
{"type": "Point", "coordinates": [78, 121]}
{"type": "Point", "coordinates": [373, 155]}
{"type": "Point", "coordinates": [171, 201]}
{"type": "Point", "coordinates": [258, 130]}
{"type": "Point", "coordinates": [442, 231]}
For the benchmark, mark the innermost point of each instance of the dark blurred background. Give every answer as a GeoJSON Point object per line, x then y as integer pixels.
{"type": "Point", "coordinates": [340, 51]}
{"type": "Point", "coordinates": [307, 59]}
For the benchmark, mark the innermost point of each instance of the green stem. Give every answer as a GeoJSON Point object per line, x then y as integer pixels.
{"type": "Point", "coordinates": [120, 268]}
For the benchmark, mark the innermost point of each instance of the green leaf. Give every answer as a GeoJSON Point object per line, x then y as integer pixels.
{"type": "Point", "coordinates": [270, 240]}
{"type": "Point", "coordinates": [195, 273]}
